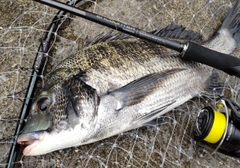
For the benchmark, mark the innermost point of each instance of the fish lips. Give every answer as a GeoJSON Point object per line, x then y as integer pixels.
{"type": "Point", "coordinates": [29, 139]}
{"type": "Point", "coordinates": [34, 130]}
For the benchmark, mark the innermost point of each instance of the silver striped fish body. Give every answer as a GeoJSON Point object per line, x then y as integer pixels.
{"type": "Point", "coordinates": [169, 82]}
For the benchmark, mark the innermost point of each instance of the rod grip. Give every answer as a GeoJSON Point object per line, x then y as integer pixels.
{"type": "Point", "coordinates": [224, 62]}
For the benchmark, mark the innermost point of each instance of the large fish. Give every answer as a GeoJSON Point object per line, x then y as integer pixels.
{"type": "Point", "coordinates": [116, 85]}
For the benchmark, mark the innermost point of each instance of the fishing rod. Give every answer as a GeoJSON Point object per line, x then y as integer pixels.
{"type": "Point", "coordinates": [189, 51]}
{"type": "Point", "coordinates": [38, 68]}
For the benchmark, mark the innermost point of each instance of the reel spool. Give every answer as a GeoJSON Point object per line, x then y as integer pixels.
{"type": "Point", "coordinates": [218, 130]}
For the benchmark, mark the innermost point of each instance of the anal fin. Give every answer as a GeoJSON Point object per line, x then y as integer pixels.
{"type": "Point", "coordinates": [214, 86]}
{"type": "Point", "coordinates": [158, 121]}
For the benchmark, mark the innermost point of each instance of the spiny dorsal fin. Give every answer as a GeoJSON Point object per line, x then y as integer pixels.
{"type": "Point", "coordinates": [103, 37]}
{"type": "Point", "coordinates": [137, 90]}
{"type": "Point", "coordinates": [173, 31]}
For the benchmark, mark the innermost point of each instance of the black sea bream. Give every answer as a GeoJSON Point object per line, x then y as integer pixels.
{"type": "Point", "coordinates": [116, 85]}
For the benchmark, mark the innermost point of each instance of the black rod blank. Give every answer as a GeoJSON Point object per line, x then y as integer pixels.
{"type": "Point", "coordinates": [115, 25]}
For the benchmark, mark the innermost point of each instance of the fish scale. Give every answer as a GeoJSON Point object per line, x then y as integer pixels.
{"type": "Point", "coordinates": [131, 66]}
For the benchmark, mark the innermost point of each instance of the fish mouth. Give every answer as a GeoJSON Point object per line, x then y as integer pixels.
{"type": "Point", "coordinates": [31, 140]}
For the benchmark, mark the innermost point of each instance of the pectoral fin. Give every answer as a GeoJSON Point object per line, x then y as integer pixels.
{"type": "Point", "coordinates": [138, 90]}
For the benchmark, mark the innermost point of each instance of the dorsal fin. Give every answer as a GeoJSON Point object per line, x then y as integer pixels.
{"type": "Point", "coordinates": [103, 37]}
{"type": "Point", "coordinates": [175, 31]}
{"type": "Point", "coordinates": [172, 31]}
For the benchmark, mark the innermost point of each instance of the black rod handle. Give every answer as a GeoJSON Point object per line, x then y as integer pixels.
{"type": "Point", "coordinates": [224, 62]}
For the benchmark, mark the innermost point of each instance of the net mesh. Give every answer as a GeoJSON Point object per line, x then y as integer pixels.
{"type": "Point", "coordinates": [166, 143]}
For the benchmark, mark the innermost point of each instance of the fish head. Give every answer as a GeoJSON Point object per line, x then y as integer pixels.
{"type": "Point", "coordinates": [62, 116]}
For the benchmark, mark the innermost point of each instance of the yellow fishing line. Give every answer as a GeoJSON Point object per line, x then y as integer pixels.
{"type": "Point", "coordinates": [218, 128]}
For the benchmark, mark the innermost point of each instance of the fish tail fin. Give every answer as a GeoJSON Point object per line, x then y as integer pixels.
{"type": "Point", "coordinates": [232, 22]}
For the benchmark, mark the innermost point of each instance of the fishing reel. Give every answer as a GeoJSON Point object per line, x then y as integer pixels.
{"type": "Point", "coordinates": [220, 129]}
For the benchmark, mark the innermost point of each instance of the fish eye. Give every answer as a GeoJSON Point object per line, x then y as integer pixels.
{"type": "Point", "coordinates": [43, 103]}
